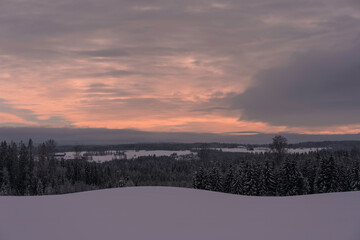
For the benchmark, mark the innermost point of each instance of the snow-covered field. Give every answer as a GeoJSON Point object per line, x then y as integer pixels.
{"type": "Point", "coordinates": [165, 213]}
{"type": "Point", "coordinates": [130, 154]}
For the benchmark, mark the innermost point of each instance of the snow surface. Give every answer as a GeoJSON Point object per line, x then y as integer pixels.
{"type": "Point", "coordinates": [130, 154]}
{"type": "Point", "coordinates": [166, 213]}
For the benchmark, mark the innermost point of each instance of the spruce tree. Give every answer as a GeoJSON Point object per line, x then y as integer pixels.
{"type": "Point", "coordinates": [251, 181]}
{"type": "Point", "coordinates": [39, 188]}
{"type": "Point", "coordinates": [5, 188]}
{"type": "Point", "coordinates": [199, 181]}
{"type": "Point", "coordinates": [268, 182]}
{"type": "Point", "coordinates": [229, 178]}
{"type": "Point", "coordinates": [309, 171]}
{"type": "Point", "coordinates": [237, 187]}
{"type": "Point", "coordinates": [215, 180]}
{"type": "Point", "coordinates": [327, 180]}
{"type": "Point", "coordinates": [344, 179]}
{"type": "Point", "coordinates": [355, 176]}
{"type": "Point", "coordinates": [291, 180]}
{"type": "Point", "coordinates": [23, 177]}
{"type": "Point", "coordinates": [13, 165]}
{"type": "Point", "coordinates": [3, 153]}
{"type": "Point", "coordinates": [31, 165]}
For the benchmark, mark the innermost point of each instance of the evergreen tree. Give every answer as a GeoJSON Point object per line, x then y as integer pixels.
{"type": "Point", "coordinates": [3, 154]}
{"type": "Point", "coordinates": [215, 180]}
{"type": "Point", "coordinates": [13, 165]}
{"type": "Point", "coordinates": [251, 181]}
{"type": "Point", "coordinates": [355, 176]}
{"type": "Point", "coordinates": [309, 171]}
{"type": "Point", "coordinates": [39, 188]}
{"type": "Point", "coordinates": [268, 181]}
{"type": "Point", "coordinates": [229, 178]}
{"type": "Point", "coordinates": [344, 179]}
{"type": "Point", "coordinates": [5, 188]}
{"type": "Point", "coordinates": [31, 164]}
{"type": "Point", "coordinates": [199, 181]}
{"type": "Point", "coordinates": [50, 156]}
{"type": "Point", "coordinates": [291, 180]}
{"type": "Point", "coordinates": [327, 180]}
{"type": "Point", "coordinates": [23, 177]}
{"type": "Point", "coordinates": [42, 166]}
{"type": "Point", "coordinates": [237, 187]}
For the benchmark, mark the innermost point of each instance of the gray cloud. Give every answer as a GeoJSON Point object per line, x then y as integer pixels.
{"type": "Point", "coordinates": [76, 24]}
{"type": "Point", "coordinates": [105, 93]}
{"type": "Point", "coordinates": [112, 73]}
{"type": "Point", "coordinates": [22, 113]}
{"type": "Point", "coordinates": [29, 116]}
{"type": "Point", "coordinates": [103, 53]}
{"type": "Point", "coordinates": [209, 110]}
{"type": "Point", "coordinates": [315, 88]}
{"type": "Point", "coordinates": [127, 108]}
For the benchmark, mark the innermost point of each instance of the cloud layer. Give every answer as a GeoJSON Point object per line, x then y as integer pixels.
{"type": "Point", "coordinates": [203, 66]}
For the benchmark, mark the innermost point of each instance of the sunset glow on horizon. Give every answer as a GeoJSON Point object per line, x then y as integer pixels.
{"type": "Point", "coordinates": [186, 66]}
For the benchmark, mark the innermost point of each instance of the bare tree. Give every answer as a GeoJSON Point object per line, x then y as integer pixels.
{"type": "Point", "coordinates": [279, 147]}
{"type": "Point", "coordinates": [77, 152]}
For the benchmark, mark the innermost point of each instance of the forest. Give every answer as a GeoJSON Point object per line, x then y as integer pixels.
{"type": "Point", "coordinates": [26, 169]}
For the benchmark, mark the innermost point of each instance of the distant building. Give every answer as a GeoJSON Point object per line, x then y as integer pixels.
{"type": "Point", "coordinates": [250, 148]}
{"type": "Point", "coordinates": [60, 156]}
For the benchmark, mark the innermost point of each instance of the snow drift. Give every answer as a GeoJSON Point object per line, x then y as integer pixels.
{"type": "Point", "coordinates": [173, 213]}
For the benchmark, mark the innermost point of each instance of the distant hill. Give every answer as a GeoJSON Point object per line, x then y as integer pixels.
{"type": "Point", "coordinates": [94, 136]}
{"type": "Point", "coordinates": [344, 145]}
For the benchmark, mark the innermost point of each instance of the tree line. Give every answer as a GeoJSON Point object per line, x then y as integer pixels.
{"type": "Point", "coordinates": [29, 170]}
{"type": "Point", "coordinates": [26, 169]}
{"type": "Point", "coordinates": [297, 174]}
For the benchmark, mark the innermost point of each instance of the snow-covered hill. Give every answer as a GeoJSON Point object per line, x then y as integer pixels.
{"type": "Point", "coordinates": [161, 213]}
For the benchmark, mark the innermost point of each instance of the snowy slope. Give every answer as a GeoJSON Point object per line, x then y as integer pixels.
{"type": "Point", "coordinates": [156, 213]}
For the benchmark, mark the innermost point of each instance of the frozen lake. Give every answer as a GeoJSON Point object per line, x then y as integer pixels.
{"type": "Point", "coordinates": [132, 154]}
{"type": "Point", "coordinates": [264, 149]}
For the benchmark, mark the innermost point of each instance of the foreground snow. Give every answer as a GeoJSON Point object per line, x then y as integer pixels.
{"type": "Point", "coordinates": [173, 213]}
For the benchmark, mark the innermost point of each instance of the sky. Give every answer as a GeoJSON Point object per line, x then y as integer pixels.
{"type": "Point", "coordinates": [229, 67]}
